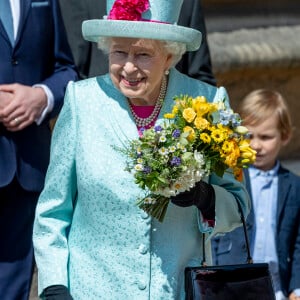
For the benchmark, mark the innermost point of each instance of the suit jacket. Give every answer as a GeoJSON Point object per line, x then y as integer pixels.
{"type": "Point", "coordinates": [92, 62]}
{"type": "Point", "coordinates": [231, 248]}
{"type": "Point", "coordinates": [196, 64]}
{"type": "Point", "coordinates": [88, 58]}
{"type": "Point", "coordinates": [41, 55]}
{"type": "Point", "coordinates": [88, 229]}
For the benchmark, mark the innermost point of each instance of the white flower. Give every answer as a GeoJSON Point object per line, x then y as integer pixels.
{"type": "Point", "coordinates": [138, 167]}
{"type": "Point", "coordinates": [199, 158]}
{"type": "Point", "coordinates": [162, 139]}
{"type": "Point", "coordinates": [221, 105]}
{"type": "Point", "coordinates": [241, 130]}
{"type": "Point", "coordinates": [140, 160]}
{"type": "Point", "coordinates": [138, 150]}
{"type": "Point", "coordinates": [163, 151]}
{"type": "Point", "coordinates": [149, 200]}
{"type": "Point", "coordinates": [172, 149]}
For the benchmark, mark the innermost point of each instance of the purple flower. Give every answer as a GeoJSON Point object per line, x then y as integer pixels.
{"type": "Point", "coordinates": [176, 133]}
{"type": "Point", "coordinates": [141, 131]}
{"type": "Point", "coordinates": [176, 161]}
{"type": "Point", "coordinates": [157, 128]}
{"type": "Point", "coordinates": [147, 170]}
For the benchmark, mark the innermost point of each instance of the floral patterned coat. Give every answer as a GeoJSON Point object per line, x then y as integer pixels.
{"type": "Point", "coordinates": [88, 233]}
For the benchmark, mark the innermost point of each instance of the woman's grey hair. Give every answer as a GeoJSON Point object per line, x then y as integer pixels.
{"type": "Point", "coordinates": [175, 48]}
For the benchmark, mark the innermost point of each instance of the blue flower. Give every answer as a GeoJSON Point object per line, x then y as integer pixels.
{"type": "Point", "coordinates": [176, 133]}
{"type": "Point", "coordinates": [176, 161]}
{"type": "Point", "coordinates": [225, 117]}
{"type": "Point", "coordinates": [236, 120]}
{"type": "Point", "coordinates": [157, 128]}
{"type": "Point", "coordinates": [142, 129]}
{"type": "Point", "coordinates": [147, 170]}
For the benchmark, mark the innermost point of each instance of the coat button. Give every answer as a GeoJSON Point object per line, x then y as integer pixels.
{"type": "Point", "coordinates": [144, 215]}
{"type": "Point", "coordinates": [14, 62]}
{"type": "Point", "coordinates": [141, 285]}
{"type": "Point", "coordinates": [143, 249]}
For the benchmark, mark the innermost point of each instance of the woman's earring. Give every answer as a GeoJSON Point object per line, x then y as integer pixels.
{"type": "Point", "coordinates": [167, 72]}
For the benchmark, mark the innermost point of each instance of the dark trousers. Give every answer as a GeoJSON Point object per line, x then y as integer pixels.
{"type": "Point", "coordinates": [17, 209]}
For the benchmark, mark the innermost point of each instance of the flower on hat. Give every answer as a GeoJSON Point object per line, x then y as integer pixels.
{"type": "Point", "coordinates": [128, 10]}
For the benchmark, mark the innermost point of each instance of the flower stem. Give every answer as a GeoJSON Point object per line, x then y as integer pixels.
{"type": "Point", "coordinates": [157, 209]}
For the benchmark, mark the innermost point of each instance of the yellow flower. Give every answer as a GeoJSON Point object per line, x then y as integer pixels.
{"type": "Point", "coordinates": [247, 153]}
{"type": "Point", "coordinates": [231, 159]}
{"type": "Point", "coordinates": [246, 161]}
{"type": "Point", "coordinates": [201, 123]}
{"type": "Point", "coordinates": [200, 99]}
{"type": "Point", "coordinates": [226, 130]}
{"type": "Point", "coordinates": [183, 102]}
{"type": "Point", "coordinates": [205, 138]}
{"type": "Point", "coordinates": [203, 109]}
{"type": "Point", "coordinates": [169, 116]}
{"type": "Point", "coordinates": [191, 137]}
{"type": "Point", "coordinates": [218, 135]}
{"type": "Point", "coordinates": [238, 174]}
{"type": "Point", "coordinates": [175, 110]}
{"type": "Point", "coordinates": [231, 152]}
{"type": "Point", "coordinates": [197, 102]}
{"type": "Point", "coordinates": [228, 146]}
{"type": "Point", "coordinates": [189, 114]}
{"type": "Point", "coordinates": [244, 144]}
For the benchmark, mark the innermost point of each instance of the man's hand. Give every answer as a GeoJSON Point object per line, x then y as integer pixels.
{"type": "Point", "coordinates": [20, 105]}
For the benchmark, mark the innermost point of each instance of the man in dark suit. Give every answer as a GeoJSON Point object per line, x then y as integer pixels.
{"type": "Point", "coordinates": [92, 62]}
{"type": "Point", "coordinates": [196, 64]}
{"type": "Point", "coordinates": [35, 66]}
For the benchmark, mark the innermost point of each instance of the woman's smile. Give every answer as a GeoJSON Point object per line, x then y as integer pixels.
{"type": "Point", "coordinates": [130, 82]}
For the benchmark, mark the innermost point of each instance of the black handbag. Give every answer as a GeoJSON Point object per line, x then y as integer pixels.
{"type": "Point", "coordinates": [249, 281]}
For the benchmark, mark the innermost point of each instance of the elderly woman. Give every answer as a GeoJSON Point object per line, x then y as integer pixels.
{"type": "Point", "coordinates": [91, 241]}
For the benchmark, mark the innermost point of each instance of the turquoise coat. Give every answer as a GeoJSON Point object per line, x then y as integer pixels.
{"type": "Point", "coordinates": [88, 233]}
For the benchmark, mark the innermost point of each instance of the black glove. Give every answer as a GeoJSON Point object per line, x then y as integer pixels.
{"type": "Point", "coordinates": [56, 292]}
{"type": "Point", "coordinates": [202, 195]}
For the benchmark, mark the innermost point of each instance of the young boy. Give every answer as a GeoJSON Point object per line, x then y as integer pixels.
{"type": "Point", "coordinates": [274, 221]}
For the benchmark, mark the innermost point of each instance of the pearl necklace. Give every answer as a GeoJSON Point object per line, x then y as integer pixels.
{"type": "Point", "coordinates": [144, 122]}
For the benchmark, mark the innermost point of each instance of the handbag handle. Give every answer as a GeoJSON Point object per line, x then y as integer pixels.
{"type": "Point", "coordinates": [249, 258]}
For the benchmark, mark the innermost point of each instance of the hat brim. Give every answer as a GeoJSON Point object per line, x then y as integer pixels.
{"type": "Point", "coordinates": [92, 30]}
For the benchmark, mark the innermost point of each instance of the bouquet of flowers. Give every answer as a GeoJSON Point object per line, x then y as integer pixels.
{"type": "Point", "coordinates": [194, 140]}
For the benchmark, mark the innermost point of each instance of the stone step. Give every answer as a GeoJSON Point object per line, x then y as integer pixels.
{"type": "Point", "coordinates": [246, 48]}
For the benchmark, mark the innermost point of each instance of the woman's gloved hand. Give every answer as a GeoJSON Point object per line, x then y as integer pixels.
{"type": "Point", "coordinates": [56, 292]}
{"type": "Point", "coordinates": [202, 195]}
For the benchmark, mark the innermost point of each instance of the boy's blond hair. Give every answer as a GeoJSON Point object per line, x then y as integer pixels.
{"type": "Point", "coordinates": [261, 104]}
